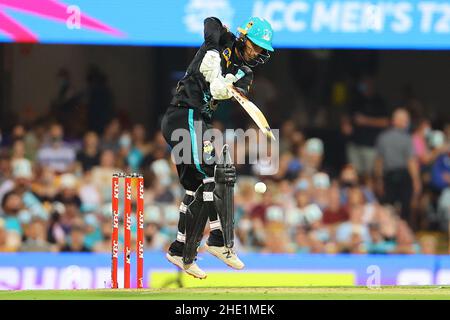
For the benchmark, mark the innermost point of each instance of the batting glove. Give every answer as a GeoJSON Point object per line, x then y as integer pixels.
{"type": "Point", "coordinates": [210, 66]}
{"type": "Point", "coordinates": [219, 87]}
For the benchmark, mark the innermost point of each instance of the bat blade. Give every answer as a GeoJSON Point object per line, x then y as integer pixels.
{"type": "Point", "coordinates": [253, 111]}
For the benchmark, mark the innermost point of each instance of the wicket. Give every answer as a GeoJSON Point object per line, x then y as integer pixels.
{"type": "Point", "coordinates": [127, 229]}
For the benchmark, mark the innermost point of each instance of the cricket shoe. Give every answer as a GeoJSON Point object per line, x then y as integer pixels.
{"type": "Point", "coordinates": [227, 255]}
{"type": "Point", "coordinates": [191, 269]}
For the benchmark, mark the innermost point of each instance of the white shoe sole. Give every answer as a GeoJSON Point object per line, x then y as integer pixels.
{"type": "Point", "coordinates": [181, 266]}
{"type": "Point", "coordinates": [220, 258]}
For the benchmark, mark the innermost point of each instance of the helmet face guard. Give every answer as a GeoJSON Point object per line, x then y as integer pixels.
{"type": "Point", "coordinates": [261, 58]}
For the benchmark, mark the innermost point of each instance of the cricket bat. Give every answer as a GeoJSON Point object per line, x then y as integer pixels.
{"type": "Point", "coordinates": [253, 111]}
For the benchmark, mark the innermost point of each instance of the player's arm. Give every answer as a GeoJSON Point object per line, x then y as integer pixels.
{"type": "Point", "coordinates": [244, 79]}
{"type": "Point", "coordinates": [210, 65]}
{"type": "Point", "coordinates": [212, 31]}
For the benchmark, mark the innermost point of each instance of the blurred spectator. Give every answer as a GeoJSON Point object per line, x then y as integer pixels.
{"type": "Point", "coordinates": [158, 149]}
{"type": "Point", "coordinates": [93, 230]}
{"type": "Point", "coordinates": [306, 213]}
{"type": "Point", "coordinates": [70, 216]}
{"type": "Point", "coordinates": [258, 212]}
{"type": "Point", "coordinates": [420, 138]}
{"type": "Point", "coordinates": [45, 184]}
{"type": "Point", "coordinates": [312, 156]}
{"type": "Point", "coordinates": [428, 244]}
{"type": "Point", "coordinates": [13, 220]}
{"type": "Point", "coordinates": [125, 145]}
{"type": "Point", "coordinates": [163, 180]}
{"type": "Point", "coordinates": [243, 232]}
{"type": "Point", "coordinates": [100, 105]}
{"type": "Point", "coordinates": [5, 168]}
{"type": "Point", "coordinates": [346, 232]}
{"type": "Point", "coordinates": [169, 228]}
{"type": "Point", "coordinates": [277, 240]}
{"type": "Point", "coordinates": [356, 244]}
{"type": "Point", "coordinates": [291, 137]}
{"type": "Point", "coordinates": [56, 154]}
{"type": "Point", "coordinates": [36, 237]}
{"type": "Point", "coordinates": [440, 188]}
{"type": "Point", "coordinates": [104, 244]}
{"type": "Point", "coordinates": [285, 194]}
{"type": "Point", "coordinates": [264, 93]}
{"type": "Point", "coordinates": [387, 220]}
{"type": "Point", "coordinates": [18, 132]}
{"type": "Point", "coordinates": [377, 243]}
{"type": "Point", "coordinates": [89, 156]}
{"type": "Point", "coordinates": [356, 198]}
{"type": "Point", "coordinates": [438, 145]}
{"type": "Point", "coordinates": [290, 166]}
{"type": "Point", "coordinates": [23, 176]}
{"type": "Point", "coordinates": [153, 217]}
{"type": "Point", "coordinates": [18, 150]}
{"type": "Point", "coordinates": [321, 189]}
{"type": "Point", "coordinates": [101, 174]}
{"type": "Point", "coordinates": [68, 192]}
{"type": "Point", "coordinates": [55, 231]}
{"type": "Point", "coordinates": [368, 116]}
{"type": "Point", "coordinates": [33, 139]}
{"type": "Point", "coordinates": [302, 241]}
{"type": "Point", "coordinates": [139, 148]}
{"type": "Point", "coordinates": [440, 172]}
{"type": "Point", "coordinates": [91, 199]}
{"type": "Point", "coordinates": [9, 241]}
{"type": "Point", "coordinates": [76, 240]}
{"type": "Point", "coordinates": [444, 210]}
{"type": "Point", "coordinates": [334, 213]}
{"type": "Point", "coordinates": [65, 106]}
{"type": "Point", "coordinates": [405, 242]}
{"type": "Point", "coordinates": [245, 197]}
{"type": "Point", "coordinates": [153, 238]}
{"type": "Point", "coordinates": [111, 134]}
{"type": "Point", "coordinates": [396, 167]}
{"type": "Point", "coordinates": [349, 179]}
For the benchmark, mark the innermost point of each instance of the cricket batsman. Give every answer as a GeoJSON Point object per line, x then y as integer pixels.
{"type": "Point", "coordinates": [223, 59]}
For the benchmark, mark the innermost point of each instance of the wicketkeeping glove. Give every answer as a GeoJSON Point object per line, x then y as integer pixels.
{"type": "Point", "coordinates": [210, 66]}
{"type": "Point", "coordinates": [218, 87]}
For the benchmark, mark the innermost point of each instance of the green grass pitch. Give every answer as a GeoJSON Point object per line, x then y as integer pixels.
{"type": "Point", "coordinates": [257, 293]}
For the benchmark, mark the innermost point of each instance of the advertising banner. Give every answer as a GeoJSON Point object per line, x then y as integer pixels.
{"type": "Point", "coordinates": [389, 24]}
{"type": "Point", "coordinates": [89, 270]}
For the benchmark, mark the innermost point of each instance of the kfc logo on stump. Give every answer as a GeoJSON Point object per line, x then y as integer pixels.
{"type": "Point", "coordinates": [115, 249]}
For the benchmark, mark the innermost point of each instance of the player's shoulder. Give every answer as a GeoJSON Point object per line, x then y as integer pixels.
{"type": "Point", "coordinates": [217, 21]}
{"type": "Point", "coordinates": [213, 19]}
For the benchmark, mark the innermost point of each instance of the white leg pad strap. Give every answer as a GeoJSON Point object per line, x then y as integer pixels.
{"type": "Point", "coordinates": [214, 225]}
{"type": "Point", "coordinates": [183, 208]}
{"type": "Point", "coordinates": [181, 237]}
{"type": "Point", "coordinates": [208, 180]}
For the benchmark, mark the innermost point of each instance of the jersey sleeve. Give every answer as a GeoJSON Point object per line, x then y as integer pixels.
{"type": "Point", "coordinates": [212, 32]}
{"type": "Point", "coordinates": [245, 76]}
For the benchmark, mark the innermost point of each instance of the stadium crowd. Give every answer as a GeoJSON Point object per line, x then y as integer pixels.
{"type": "Point", "coordinates": [55, 190]}
{"type": "Point", "coordinates": [56, 194]}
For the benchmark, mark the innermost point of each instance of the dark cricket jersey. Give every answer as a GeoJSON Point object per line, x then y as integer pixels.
{"type": "Point", "coordinates": [193, 90]}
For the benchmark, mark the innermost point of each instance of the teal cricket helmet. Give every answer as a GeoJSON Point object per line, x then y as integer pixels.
{"type": "Point", "coordinates": [259, 31]}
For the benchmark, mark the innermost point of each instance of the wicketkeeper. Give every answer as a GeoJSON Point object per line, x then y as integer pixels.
{"type": "Point", "coordinates": [222, 59]}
